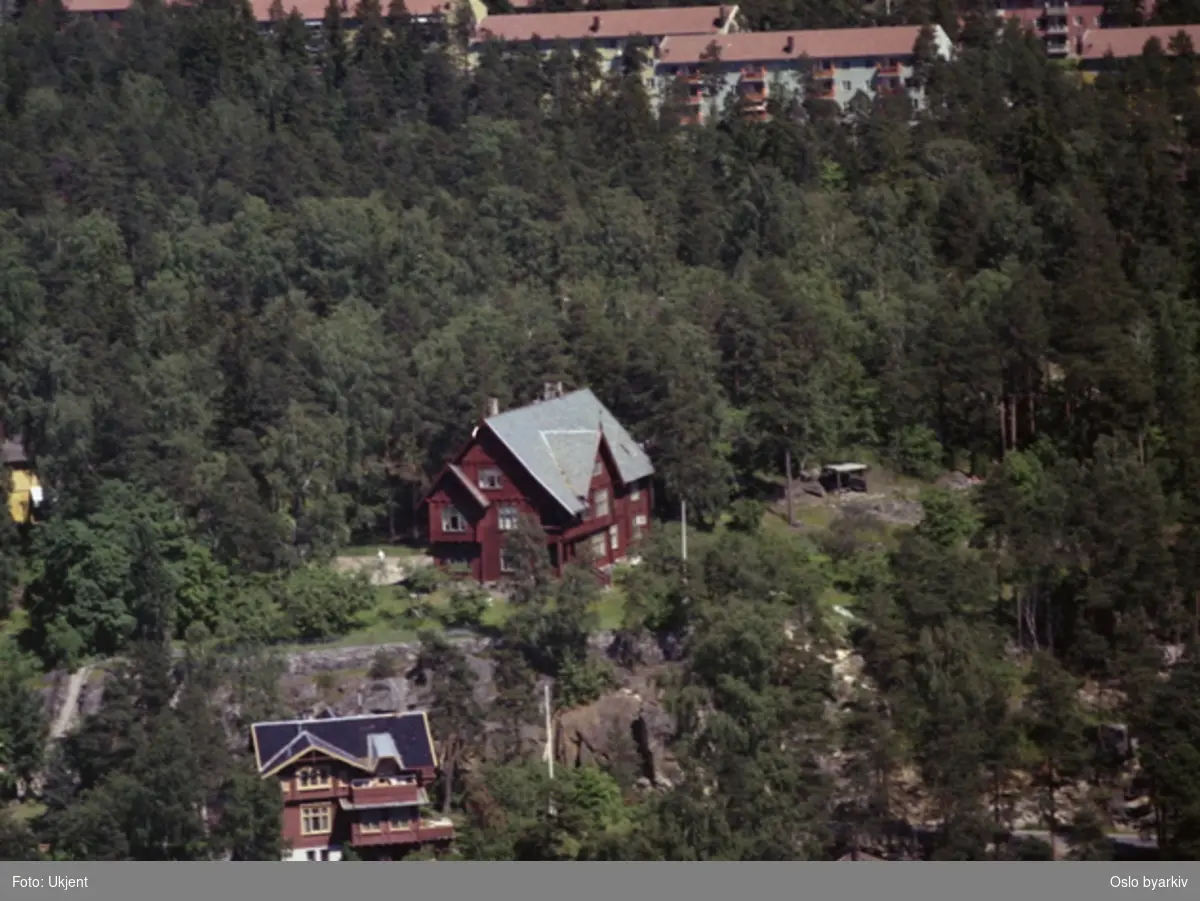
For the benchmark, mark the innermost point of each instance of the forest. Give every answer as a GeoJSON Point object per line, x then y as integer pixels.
{"type": "Point", "coordinates": [250, 301]}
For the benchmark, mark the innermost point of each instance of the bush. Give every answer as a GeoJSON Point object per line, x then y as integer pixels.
{"type": "Point", "coordinates": [466, 609]}
{"type": "Point", "coordinates": [746, 516]}
{"type": "Point", "coordinates": [425, 580]}
{"type": "Point", "coordinates": [383, 665]}
{"type": "Point", "coordinates": [320, 603]}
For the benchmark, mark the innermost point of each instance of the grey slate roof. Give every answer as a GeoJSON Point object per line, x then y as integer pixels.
{"type": "Point", "coordinates": [557, 441]}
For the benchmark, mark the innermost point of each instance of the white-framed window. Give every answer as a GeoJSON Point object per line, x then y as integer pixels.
{"type": "Point", "coordinates": [316, 819]}
{"type": "Point", "coordinates": [600, 505]}
{"type": "Point", "coordinates": [507, 516]}
{"type": "Point", "coordinates": [597, 546]}
{"type": "Point", "coordinates": [635, 495]}
{"type": "Point", "coordinates": [639, 526]}
{"type": "Point", "coordinates": [490, 479]}
{"type": "Point", "coordinates": [597, 469]}
{"type": "Point", "coordinates": [846, 85]}
{"type": "Point", "coordinates": [508, 561]}
{"type": "Point", "coordinates": [614, 537]}
{"type": "Point", "coordinates": [452, 520]}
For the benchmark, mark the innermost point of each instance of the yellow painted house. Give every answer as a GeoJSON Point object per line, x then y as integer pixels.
{"type": "Point", "coordinates": [24, 490]}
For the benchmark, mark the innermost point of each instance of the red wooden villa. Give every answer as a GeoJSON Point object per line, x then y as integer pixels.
{"type": "Point", "coordinates": [564, 461]}
{"type": "Point", "coordinates": [352, 781]}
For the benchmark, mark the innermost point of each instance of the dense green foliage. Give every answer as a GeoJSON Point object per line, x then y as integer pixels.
{"type": "Point", "coordinates": [248, 305]}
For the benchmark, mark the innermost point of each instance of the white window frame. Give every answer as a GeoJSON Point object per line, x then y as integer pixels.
{"type": "Point", "coordinates": [491, 479]}
{"type": "Point", "coordinates": [507, 517]}
{"type": "Point", "coordinates": [598, 545]}
{"type": "Point", "coordinates": [450, 513]}
{"type": "Point", "coordinates": [636, 495]}
{"type": "Point", "coordinates": [614, 537]}
{"type": "Point", "coordinates": [601, 503]}
{"type": "Point", "coordinates": [598, 468]}
{"type": "Point", "coordinates": [508, 561]}
{"type": "Point", "coordinates": [639, 527]}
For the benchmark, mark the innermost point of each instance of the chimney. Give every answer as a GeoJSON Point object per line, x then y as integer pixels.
{"type": "Point", "coordinates": [790, 46]}
{"type": "Point", "coordinates": [595, 23]}
{"type": "Point", "coordinates": [720, 17]}
{"type": "Point", "coordinates": [493, 407]}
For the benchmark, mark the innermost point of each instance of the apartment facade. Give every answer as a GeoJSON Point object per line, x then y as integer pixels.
{"type": "Point", "coordinates": [1059, 24]}
{"type": "Point", "coordinates": [836, 65]}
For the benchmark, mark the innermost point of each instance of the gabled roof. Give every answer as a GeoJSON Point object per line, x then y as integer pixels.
{"type": "Point", "coordinates": [557, 442]}
{"type": "Point", "coordinates": [355, 740]}
{"type": "Point", "coordinates": [778, 46]}
{"type": "Point", "coordinates": [1124, 43]}
{"type": "Point", "coordinates": [607, 24]}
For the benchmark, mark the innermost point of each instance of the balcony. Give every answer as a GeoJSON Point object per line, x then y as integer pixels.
{"type": "Point", "coordinates": [888, 69]}
{"type": "Point", "coordinates": [386, 791]}
{"type": "Point", "coordinates": [1057, 49]}
{"type": "Point", "coordinates": [1054, 26]}
{"type": "Point", "coordinates": [753, 96]}
{"type": "Point", "coordinates": [1055, 8]}
{"type": "Point", "coordinates": [416, 833]}
{"type": "Point", "coordinates": [823, 72]}
{"type": "Point", "coordinates": [754, 75]}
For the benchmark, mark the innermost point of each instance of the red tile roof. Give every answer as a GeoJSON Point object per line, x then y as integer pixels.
{"type": "Point", "coordinates": [1127, 42]}
{"type": "Point", "coordinates": [747, 47]}
{"type": "Point", "coordinates": [607, 24]}
{"type": "Point", "coordinates": [310, 10]}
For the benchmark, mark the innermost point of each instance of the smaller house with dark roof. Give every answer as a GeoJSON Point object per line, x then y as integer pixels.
{"type": "Point", "coordinates": [565, 462]}
{"type": "Point", "coordinates": [353, 781]}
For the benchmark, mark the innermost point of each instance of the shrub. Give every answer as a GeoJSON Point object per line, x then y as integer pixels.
{"type": "Point", "coordinates": [383, 665]}
{"type": "Point", "coordinates": [425, 580]}
{"type": "Point", "coordinates": [466, 609]}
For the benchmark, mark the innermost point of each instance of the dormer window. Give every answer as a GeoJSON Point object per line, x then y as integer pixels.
{"type": "Point", "coordinates": [490, 479]}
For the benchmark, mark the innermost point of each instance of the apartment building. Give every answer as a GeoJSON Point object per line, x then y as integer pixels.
{"type": "Point", "coordinates": [1059, 24]}
{"type": "Point", "coordinates": [434, 14]}
{"type": "Point", "coordinates": [834, 65]}
{"type": "Point", "coordinates": [609, 31]}
{"type": "Point", "coordinates": [1125, 43]}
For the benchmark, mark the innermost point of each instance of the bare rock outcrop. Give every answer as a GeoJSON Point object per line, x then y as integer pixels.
{"type": "Point", "coordinates": [627, 723]}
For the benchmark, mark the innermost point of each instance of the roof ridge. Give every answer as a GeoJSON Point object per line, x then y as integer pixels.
{"type": "Point", "coordinates": [354, 716]}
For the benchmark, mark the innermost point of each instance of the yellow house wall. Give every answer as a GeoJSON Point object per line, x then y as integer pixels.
{"type": "Point", "coordinates": [20, 500]}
